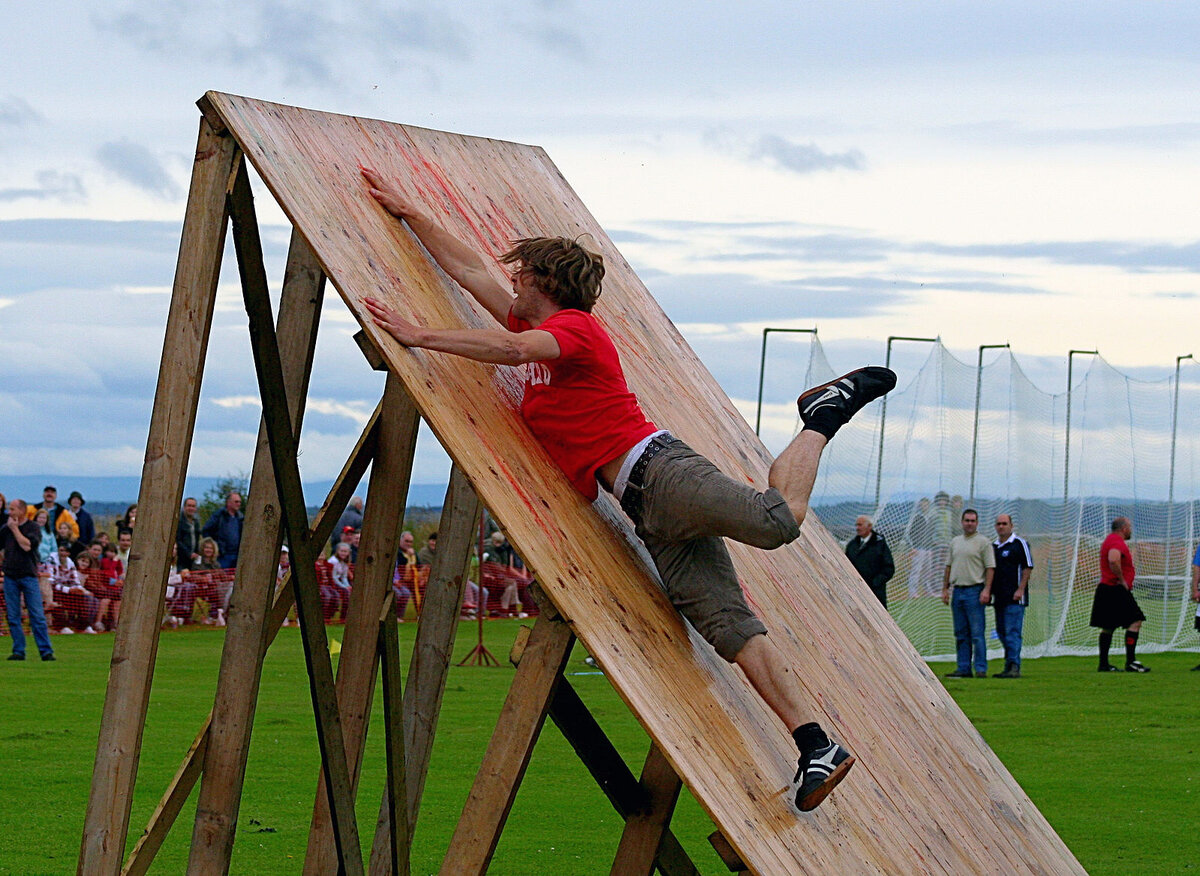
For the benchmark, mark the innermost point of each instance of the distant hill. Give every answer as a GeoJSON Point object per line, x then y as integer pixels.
{"type": "Point", "coordinates": [123, 491]}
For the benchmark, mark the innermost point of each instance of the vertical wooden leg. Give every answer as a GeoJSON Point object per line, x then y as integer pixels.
{"type": "Point", "coordinates": [282, 441]}
{"type": "Point", "coordinates": [254, 587]}
{"type": "Point", "coordinates": [431, 652]}
{"type": "Point", "coordinates": [393, 721]}
{"type": "Point", "coordinates": [644, 832]}
{"type": "Point", "coordinates": [387, 496]}
{"type": "Point", "coordinates": [189, 771]}
{"type": "Point", "coordinates": [508, 753]}
{"type": "Point", "coordinates": [168, 446]}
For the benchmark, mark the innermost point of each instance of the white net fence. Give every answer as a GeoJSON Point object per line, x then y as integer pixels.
{"type": "Point", "coordinates": [958, 436]}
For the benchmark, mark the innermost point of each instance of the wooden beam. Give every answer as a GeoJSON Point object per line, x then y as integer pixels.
{"type": "Point", "coordinates": [430, 664]}
{"type": "Point", "coordinates": [508, 753]}
{"type": "Point", "coordinates": [393, 722]}
{"type": "Point", "coordinates": [254, 586]}
{"type": "Point", "coordinates": [304, 551]}
{"type": "Point", "coordinates": [638, 850]}
{"type": "Point", "coordinates": [629, 798]}
{"type": "Point", "coordinates": [168, 446]}
{"type": "Point", "coordinates": [168, 808]}
{"type": "Point", "coordinates": [387, 495]}
{"type": "Point", "coordinates": [189, 771]}
{"type": "Point", "coordinates": [726, 852]}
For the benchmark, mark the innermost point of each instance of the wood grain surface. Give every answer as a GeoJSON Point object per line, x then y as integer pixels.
{"type": "Point", "coordinates": [927, 795]}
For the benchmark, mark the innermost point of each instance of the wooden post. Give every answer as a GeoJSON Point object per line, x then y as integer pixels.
{"type": "Point", "coordinates": [295, 517]}
{"type": "Point", "coordinates": [386, 499]}
{"type": "Point", "coordinates": [168, 446]}
{"type": "Point", "coordinates": [254, 587]}
{"type": "Point", "coordinates": [644, 832]}
{"type": "Point", "coordinates": [393, 722]}
{"type": "Point", "coordinates": [431, 653]}
{"type": "Point", "coordinates": [508, 753]}
{"type": "Point", "coordinates": [189, 772]}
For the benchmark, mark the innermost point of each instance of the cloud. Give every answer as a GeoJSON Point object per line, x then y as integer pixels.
{"type": "Point", "coordinates": [136, 165]}
{"type": "Point", "coordinates": [804, 157]}
{"type": "Point", "coordinates": [15, 112]}
{"type": "Point", "coordinates": [1132, 256]}
{"type": "Point", "coordinates": [51, 186]}
{"type": "Point", "coordinates": [293, 40]}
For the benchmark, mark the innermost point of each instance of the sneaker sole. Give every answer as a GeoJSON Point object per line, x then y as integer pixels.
{"type": "Point", "coordinates": [817, 797]}
{"type": "Point", "coordinates": [810, 394]}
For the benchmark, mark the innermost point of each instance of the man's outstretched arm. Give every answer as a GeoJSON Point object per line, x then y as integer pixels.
{"type": "Point", "coordinates": [457, 259]}
{"type": "Point", "coordinates": [498, 346]}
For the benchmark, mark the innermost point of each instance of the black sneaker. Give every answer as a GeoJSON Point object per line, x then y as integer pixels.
{"type": "Point", "coordinates": [981, 674]}
{"type": "Point", "coordinates": [1108, 667]}
{"type": "Point", "coordinates": [16, 656]}
{"type": "Point", "coordinates": [957, 674]}
{"type": "Point", "coordinates": [847, 395]}
{"type": "Point", "coordinates": [1010, 672]}
{"type": "Point", "coordinates": [819, 773]}
{"type": "Point", "coordinates": [1136, 667]}
{"type": "Point", "coordinates": [1196, 668]}
{"type": "Point", "coordinates": [46, 658]}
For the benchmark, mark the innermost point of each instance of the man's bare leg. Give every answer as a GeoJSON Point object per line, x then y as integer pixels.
{"type": "Point", "coordinates": [773, 679]}
{"type": "Point", "coordinates": [794, 472]}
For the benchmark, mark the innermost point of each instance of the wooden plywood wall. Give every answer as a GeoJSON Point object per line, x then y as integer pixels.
{"type": "Point", "coordinates": [927, 795]}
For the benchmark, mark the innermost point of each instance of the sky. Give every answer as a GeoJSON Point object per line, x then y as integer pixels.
{"type": "Point", "coordinates": [986, 173]}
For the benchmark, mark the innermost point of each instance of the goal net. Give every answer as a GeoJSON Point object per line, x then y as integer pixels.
{"type": "Point", "coordinates": [957, 436]}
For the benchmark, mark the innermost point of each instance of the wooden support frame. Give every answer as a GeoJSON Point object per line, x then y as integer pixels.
{"type": "Point", "coordinates": [168, 446]}
{"type": "Point", "coordinates": [491, 192]}
{"type": "Point", "coordinates": [246, 632]}
{"type": "Point", "coordinates": [304, 550]}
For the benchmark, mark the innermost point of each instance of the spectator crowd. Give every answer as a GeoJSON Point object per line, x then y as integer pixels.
{"type": "Point", "coordinates": [63, 574]}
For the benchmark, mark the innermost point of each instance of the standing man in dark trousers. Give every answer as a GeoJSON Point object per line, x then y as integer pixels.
{"type": "Point", "coordinates": [1113, 605]}
{"type": "Point", "coordinates": [871, 557]}
{"type": "Point", "coordinates": [19, 540]}
{"type": "Point", "coordinates": [1010, 592]}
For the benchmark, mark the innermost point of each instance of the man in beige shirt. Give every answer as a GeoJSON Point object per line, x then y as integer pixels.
{"type": "Point", "coordinates": [969, 575]}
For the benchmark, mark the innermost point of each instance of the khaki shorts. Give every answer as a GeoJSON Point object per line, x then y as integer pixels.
{"type": "Point", "coordinates": [687, 507]}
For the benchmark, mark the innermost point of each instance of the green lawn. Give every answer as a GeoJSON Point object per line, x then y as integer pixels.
{"type": "Point", "coordinates": [1113, 761]}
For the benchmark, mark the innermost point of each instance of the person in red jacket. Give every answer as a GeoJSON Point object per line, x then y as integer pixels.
{"type": "Point", "coordinates": [1113, 604]}
{"type": "Point", "coordinates": [577, 404]}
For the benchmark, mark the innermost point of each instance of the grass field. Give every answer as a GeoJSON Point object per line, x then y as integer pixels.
{"type": "Point", "coordinates": [1112, 760]}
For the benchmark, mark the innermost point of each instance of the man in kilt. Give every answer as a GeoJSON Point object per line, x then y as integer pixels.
{"type": "Point", "coordinates": [1114, 605]}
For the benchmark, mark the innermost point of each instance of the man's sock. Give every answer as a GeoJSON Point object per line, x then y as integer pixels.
{"type": "Point", "coordinates": [1105, 644]}
{"type": "Point", "coordinates": [826, 421]}
{"type": "Point", "coordinates": [810, 737]}
{"type": "Point", "coordinates": [1131, 637]}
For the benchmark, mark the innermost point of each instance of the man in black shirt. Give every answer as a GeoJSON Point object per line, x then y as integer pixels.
{"type": "Point", "coordinates": [1010, 592]}
{"type": "Point", "coordinates": [19, 539]}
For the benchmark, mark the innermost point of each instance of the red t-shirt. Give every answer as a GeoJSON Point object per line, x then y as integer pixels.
{"type": "Point", "coordinates": [578, 405]}
{"type": "Point", "coordinates": [1115, 541]}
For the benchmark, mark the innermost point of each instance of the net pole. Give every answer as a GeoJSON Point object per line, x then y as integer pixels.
{"type": "Point", "coordinates": [975, 427]}
{"type": "Point", "coordinates": [1067, 451]}
{"type": "Point", "coordinates": [762, 367]}
{"type": "Point", "coordinates": [883, 411]}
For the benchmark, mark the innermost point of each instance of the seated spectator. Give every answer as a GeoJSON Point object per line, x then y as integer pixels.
{"type": "Point", "coordinates": [129, 519]}
{"type": "Point", "coordinates": [87, 527]}
{"type": "Point", "coordinates": [110, 597]}
{"type": "Point", "coordinates": [209, 578]}
{"type": "Point", "coordinates": [209, 554]}
{"type": "Point", "coordinates": [402, 591]}
{"type": "Point", "coordinates": [426, 554]}
{"type": "Point", "coordinates": [181, 596]}
{"type": "Point", "coordinates": [285, 565]}
{"type": "Point", "coordinates": [104, 539]}
{"type": "Point", "coordinates": [75, 608]}
{"type": "Point", "coordinates": [335, 600]}
{"type": "Point", "coordinates": [339, 566]}
{"type": "Point", "coordinates": [48, 546]}
{"type": "Point", "coordinates": [124, 545]}
{"type": "Point", "coordinates": [74, 546]}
